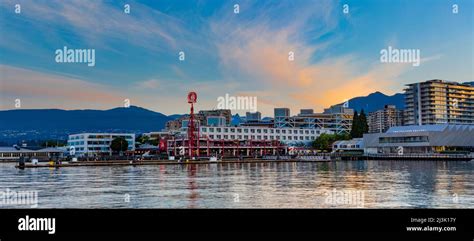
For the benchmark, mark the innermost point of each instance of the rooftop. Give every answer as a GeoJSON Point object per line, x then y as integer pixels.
{"type": "Point", "coordinates": [429, 128]}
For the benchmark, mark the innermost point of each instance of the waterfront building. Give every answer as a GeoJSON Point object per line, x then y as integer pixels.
{"type": "Point", "coordinates": [439, 102]}
{"type": "Point", "coordinates": [356, 144]}
{"type": "Point", "coordinates": [421, 139]}
{"type": "Point", "coordinates": [290, 135]}
{"type": "Point", "coordinates": [15, 152]}
{"type": "Point", "coordinates": [381, 120]}
{"type": "Point", "coordinates": [205, 147]}
{"type": "Point", "coordinates": [97, 143]}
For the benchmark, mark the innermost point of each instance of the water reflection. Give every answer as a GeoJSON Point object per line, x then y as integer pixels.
{"type": "Point", "coordinates": [351, 184]}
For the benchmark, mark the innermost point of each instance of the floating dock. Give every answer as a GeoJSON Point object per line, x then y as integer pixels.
{"type": "Point", "coordinates": [159, 162]}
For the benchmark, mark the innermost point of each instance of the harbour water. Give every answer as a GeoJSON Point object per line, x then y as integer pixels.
{"type": "Point", "coordinates": [336, 184]}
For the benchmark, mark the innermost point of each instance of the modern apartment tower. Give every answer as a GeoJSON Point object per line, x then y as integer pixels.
{"type": "Point", "coordinates": [439, 102]}
{"type": "Point", "coordinates": [381, 120]}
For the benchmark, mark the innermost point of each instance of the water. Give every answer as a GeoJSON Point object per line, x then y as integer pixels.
{"type": "Point", "coordinates": [351, 184]}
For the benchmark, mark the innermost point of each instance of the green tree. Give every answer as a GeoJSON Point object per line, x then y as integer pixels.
{"type": "Point", "coordinates": [53, 143]}
{"type": "Point", "coordinates": [119, 144]}
{"type": "Point", "coordinates": [355, 125]}
{"type": "Point", "coordinates": [364, 127]}
{"type": "Point", "coordinates": [325, 141]}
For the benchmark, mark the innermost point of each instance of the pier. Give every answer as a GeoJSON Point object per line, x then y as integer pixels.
{"type": "Point", "coordinates": [161, 162]}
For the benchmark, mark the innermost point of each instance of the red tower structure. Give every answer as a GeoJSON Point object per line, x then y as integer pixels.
{"type": "Point", "coordinates": [192, 98]}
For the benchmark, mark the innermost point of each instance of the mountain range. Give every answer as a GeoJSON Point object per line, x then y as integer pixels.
{"type": "Point", "coordinates": [376, 101]}
{"type": "Point", "coordinates": [42, 124]}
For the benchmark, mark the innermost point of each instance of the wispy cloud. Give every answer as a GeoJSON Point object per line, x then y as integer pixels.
{"type": "Point", "coordinates": [42, 90]}
{"type": "Point", "coordinates": [258, 55]}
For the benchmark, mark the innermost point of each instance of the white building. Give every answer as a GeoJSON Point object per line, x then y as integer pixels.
{"type": "Point", "coordinates": [356, 144]}
{"type": "Point", "coordinates": [97, 143]}
{"type": "Point", "coordinates": [285, 135]}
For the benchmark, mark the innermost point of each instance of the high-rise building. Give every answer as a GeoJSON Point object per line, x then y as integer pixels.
{"type": "Point", "coordinates": [381, 120]}
{"type": "Point", "coordinates": [439, 102]}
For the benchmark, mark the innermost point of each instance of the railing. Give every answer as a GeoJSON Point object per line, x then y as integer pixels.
{"type": "Point", "coordinates": [422, 156]}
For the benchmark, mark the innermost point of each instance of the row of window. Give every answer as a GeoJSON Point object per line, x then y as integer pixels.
{"type": "Point", "coordinates": [80, 137]}
{"type": "Point", "coordinates": [405, 139]}
{"type": "Point", "coordinates": [271, 131]}
{"type": "Point", "coordinates": [246, 137]}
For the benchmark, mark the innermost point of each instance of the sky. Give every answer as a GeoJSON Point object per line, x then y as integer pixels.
{"type": "Point", "coordinates": [137, 54]}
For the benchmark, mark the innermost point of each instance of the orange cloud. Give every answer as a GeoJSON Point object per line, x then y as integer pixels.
{"type": "Point", "coordinates": [42, 90]}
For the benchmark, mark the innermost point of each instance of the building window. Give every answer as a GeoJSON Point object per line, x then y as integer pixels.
{"type": "Point", "coordinates": [204, 129]}
{"type": "Point", "coordinates": [211, 129]}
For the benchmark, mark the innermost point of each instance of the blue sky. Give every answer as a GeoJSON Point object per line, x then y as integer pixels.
{"type": "Point", "coordinates": [336, 54]}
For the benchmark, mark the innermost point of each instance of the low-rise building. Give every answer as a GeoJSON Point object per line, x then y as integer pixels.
{"type": "Point", "coordinates": [14, 153]}
{"type": "Point", "coordinates": [97, 143]}
{"type": "Point", "coordinates": [356, 144]}
{"type": "Point", "coordinates": [285, 135]}
{"type": "Point", "coordinates": [421, 139]}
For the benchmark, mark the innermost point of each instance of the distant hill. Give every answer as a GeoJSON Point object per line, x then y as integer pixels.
{"type": "Point", "coordinates": [376, 101]}
{"type": "Point", "coordinates": [469, 83]}
{"type": "Point", "coordinates": [57, 124]}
